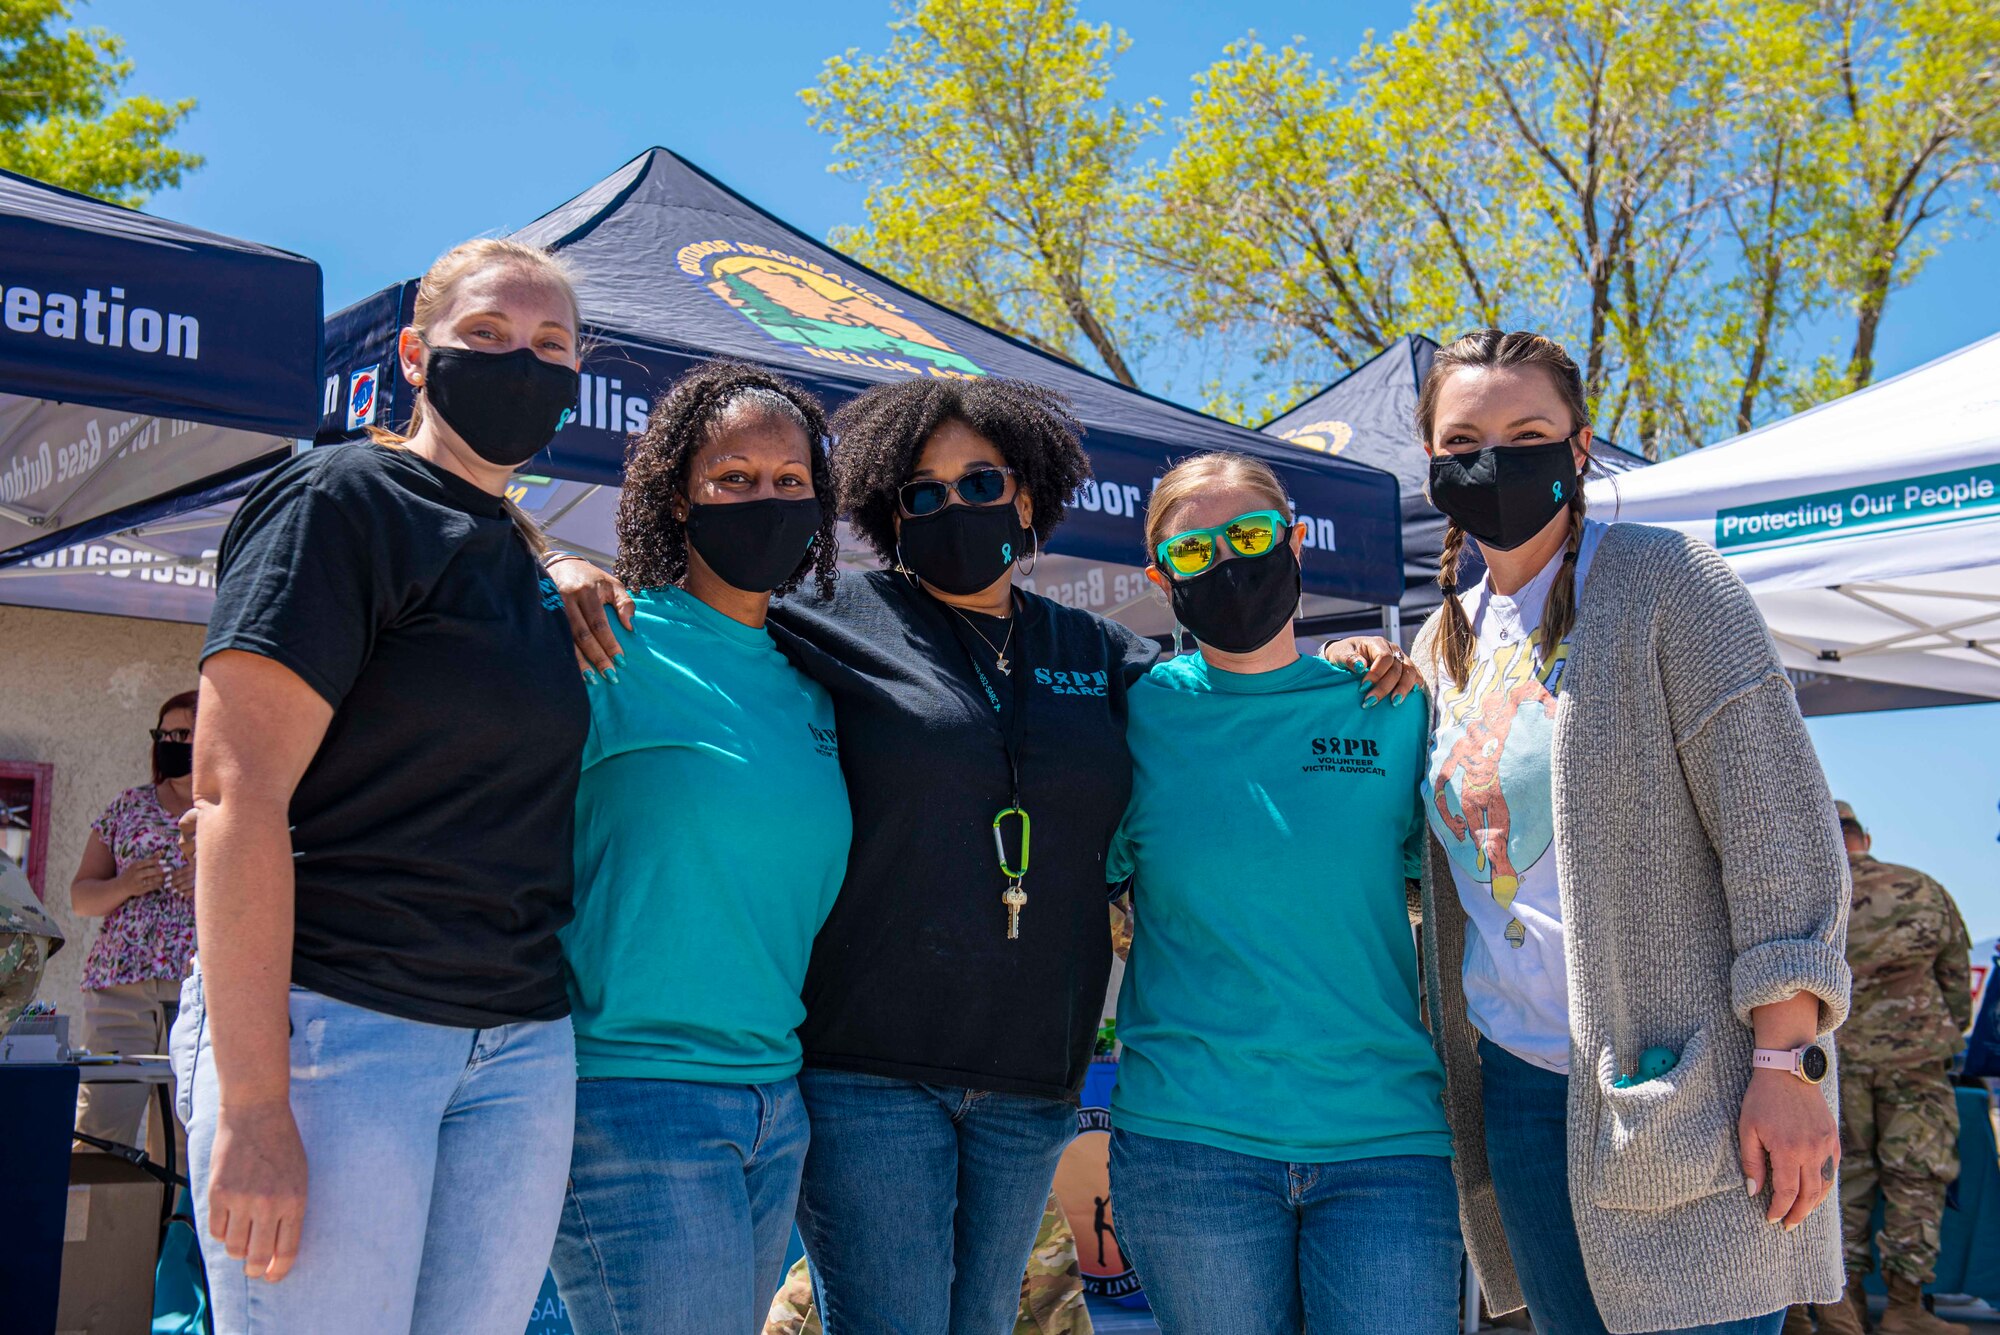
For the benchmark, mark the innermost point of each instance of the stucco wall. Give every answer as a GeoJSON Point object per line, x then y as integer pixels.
{"type": "Point", "coordinates": [79, 692]}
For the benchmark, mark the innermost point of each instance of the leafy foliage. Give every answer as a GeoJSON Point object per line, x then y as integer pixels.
{"type": "Point", "coordinates": [61, 118]}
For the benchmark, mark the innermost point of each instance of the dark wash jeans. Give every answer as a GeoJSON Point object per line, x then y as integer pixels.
{"type": "Point", "coordinates": [679, 1205]}
{"type": "Point", "coordinates": [1233, 1244]}
{"type": "Point", "coordinates": [1527, 1148]}
{"type": "Point", "coordinates": [920, 1202]}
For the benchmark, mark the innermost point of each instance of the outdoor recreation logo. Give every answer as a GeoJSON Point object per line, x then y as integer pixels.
{"type": "Point", "coordinates": [361, 397]}
{"type": "Point", "coordinates": [1328, 437]}
{"type": "Point", "coordinates": [802, 303]}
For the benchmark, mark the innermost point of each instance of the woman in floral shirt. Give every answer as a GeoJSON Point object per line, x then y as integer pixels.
{"type": "Point", "coordinates": [134, 877]}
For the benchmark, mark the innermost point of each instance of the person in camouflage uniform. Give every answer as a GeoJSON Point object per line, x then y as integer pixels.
{"type": "Point", "coordinates": [1912, 962]}
{"type": "Point", "coordinates": [1051, 1290]}
{"type": "Point", "coordinates": [28, 936]}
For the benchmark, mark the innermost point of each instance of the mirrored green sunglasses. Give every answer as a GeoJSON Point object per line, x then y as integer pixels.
{"type": "Point", "coordinates": [1188, 554]}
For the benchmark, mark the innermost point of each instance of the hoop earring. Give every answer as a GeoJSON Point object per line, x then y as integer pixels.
{"type": "Point", "coordinates": [903, 569]}
{"type": "Point", "coordinates": [1034, 552]}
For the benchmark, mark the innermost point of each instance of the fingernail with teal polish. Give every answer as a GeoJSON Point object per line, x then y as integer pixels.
{"type": "Point", "coordinates": [1397, 700]}
{"type": "Point", "coordinates": [1369, 702]}
{"type": "Point", "coordinates": [1360, 665]}
{"type": "Point", "coordinates": [589, 677]}
{"type": "Point", "coordinates": [611, 675]}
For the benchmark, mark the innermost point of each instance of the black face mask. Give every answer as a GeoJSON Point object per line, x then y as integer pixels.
{"type": "Point", "coordinates": [1504, 495]}
{"type": "Point", "coordinates": [173, 760]}
{"type": "Point", "coordinates": [754, 545]}
{"type": "Point", "coordinates": [506, 405]}
{"type": "Point", "coordinates": [962, 549]}
{"type": "Point", "coordinates": [1241, 604]}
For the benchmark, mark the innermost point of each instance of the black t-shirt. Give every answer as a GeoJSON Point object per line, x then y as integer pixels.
{"type": "Point", "coordinates": [913, 975]}
{"type": "Point", "coordinates": [431, 832]}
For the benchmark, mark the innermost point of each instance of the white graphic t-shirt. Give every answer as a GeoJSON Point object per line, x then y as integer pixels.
{"type": "Point", "coordinates": [1489, 797]}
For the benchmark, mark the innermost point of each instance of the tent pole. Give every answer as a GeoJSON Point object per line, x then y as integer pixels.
{"type": "Point", "coordinates": [1392, 623]}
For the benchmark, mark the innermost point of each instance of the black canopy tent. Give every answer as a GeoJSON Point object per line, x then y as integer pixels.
{"type": "Point", "coordinates": [141, 360]}
{"type": "Point", "coordinates": [673, 268]}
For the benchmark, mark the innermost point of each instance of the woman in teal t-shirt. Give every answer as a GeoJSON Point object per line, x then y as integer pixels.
{"type": "Point", "coordinates": [1279, 1155]}
{"type": "Point", "coordinates": [711, 838]}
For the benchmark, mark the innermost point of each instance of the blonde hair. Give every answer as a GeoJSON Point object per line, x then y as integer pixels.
{"type": "Point", "coordinates": [434, 293]}
{"type": "Point", "coordinates": [1190, 477]}
{"type": "Point", "coordinates": [1492, 349]}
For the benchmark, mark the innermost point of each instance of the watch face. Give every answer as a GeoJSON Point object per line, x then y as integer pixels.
{"type": "Point", "coordinates": [1812, 1063]}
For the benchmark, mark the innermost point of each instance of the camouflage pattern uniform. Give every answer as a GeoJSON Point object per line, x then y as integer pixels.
{"type": "Point", "coordinates": [1911, 957]}
{"type": "Point", "coordinates": [28, 936]}
{"type": "Point", "coordinates": [1051, 1290]}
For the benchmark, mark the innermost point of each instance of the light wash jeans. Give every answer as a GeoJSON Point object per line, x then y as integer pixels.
{"type": "Point", "coordinates": [436, 1158]}
{"type": "Point", "coordinates": [680, 1206]}
{"type": "Point", "coordinates": [1233, 1244]}
{"type": "Point", "coordinates": [920, 1202]}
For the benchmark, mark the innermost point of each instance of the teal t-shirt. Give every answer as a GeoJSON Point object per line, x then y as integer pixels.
{"type": "Point", "coordinates": [711, 838]}
{"type": "Point", "coordinates": [1270, 1002]}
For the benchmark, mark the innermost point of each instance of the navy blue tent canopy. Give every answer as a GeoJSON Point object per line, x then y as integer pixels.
{"type": "Point", "coordinates": [1370, 416]}
{"type": "Point", "coordinates": [673, 268]}
{"type": "Point", "coordinates": [138, 358]}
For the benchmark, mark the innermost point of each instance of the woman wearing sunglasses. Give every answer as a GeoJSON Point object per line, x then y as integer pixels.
{"type": "Point", "coordinates": [1279, 1152]}
{"type": "Point", "coordinates": [1635, 905]}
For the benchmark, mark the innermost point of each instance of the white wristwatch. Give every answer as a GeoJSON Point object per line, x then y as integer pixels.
{"type": "Point", "coordinates": [1808, 1063]}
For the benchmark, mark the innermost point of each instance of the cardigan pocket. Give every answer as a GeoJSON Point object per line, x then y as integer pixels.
{"type": "Point", "coordinates": [1670, 1140]}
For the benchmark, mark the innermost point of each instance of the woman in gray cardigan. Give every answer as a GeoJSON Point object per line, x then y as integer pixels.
{"type": "Point", "coordinates": [1635, 900]}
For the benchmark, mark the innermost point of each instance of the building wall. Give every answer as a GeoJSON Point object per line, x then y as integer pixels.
{"type": "Point", "coordinates": [79, 692]}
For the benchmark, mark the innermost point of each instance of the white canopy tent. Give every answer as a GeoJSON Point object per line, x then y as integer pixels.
{"type": "Point", "coordinates": [1867, 528]}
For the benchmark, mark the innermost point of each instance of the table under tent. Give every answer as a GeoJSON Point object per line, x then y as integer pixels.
{"type": "Point", "coordinates": [673, 268]}
{"type": "Point", "coordinates": [1369, 416]}
{"type": "Point", "coordinates": [143, 364]}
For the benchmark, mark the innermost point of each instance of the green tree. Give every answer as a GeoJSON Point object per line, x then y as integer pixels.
{"type": "Point", "coordinates": [996, 162]}
{"type": "Point", "coordinates": [1918, 106]}
{"type": "Point", "coordinates": [62, 119]}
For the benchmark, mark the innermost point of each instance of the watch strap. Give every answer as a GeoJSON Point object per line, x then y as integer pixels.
{"type": "Point", "coordinates": [1775, 1059]}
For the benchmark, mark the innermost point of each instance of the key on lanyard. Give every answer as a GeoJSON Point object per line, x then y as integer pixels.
{"type": "Point", "coordinates": [1014, 897]}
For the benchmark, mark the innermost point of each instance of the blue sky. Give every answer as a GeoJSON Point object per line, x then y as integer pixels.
{"type": "Point", "coordinates": [373, 135]}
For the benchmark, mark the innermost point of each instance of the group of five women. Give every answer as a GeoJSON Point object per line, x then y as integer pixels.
{"type": "Point", "coordinates": [794, 906]}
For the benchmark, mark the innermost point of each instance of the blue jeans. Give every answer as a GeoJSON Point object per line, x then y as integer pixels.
{"type": "Point", "coordinates": [435, 1157]}
{"type": "Point", "coordinates": [680, 1206]}
{"type": "Point", "coordinates": [1233, 1244]}
{"type": "Point", "coordinates": [1527, 1149]}
{"type": "Point", "coordinates": [920, 1203]}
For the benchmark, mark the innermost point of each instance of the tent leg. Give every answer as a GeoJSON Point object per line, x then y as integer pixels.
{"type": "Point", "coordinates": [1392, 623]}
{"type": "Point", "coordinates": [1470, 1290]}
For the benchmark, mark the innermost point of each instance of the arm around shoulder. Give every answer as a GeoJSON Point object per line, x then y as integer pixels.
{"type": "Point", "coordinates": [1756, 781]}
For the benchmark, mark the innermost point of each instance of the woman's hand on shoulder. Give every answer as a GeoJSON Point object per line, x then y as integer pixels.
{"type": "Point", "coordinates": [1384, 666]}
{"type": "Point", "coordinates": [586, 591]}
{"type": "Point", "coordinates": [1786, 1122]}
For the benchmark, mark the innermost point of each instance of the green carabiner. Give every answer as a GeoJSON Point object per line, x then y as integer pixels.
{"type": "Point", "coordinates": [1000, 843]}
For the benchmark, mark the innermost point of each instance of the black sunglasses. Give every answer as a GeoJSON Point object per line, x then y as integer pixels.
{"type": "Point", "coordinates": [172, 734]}
{"type": "Point", "coordinates": [985, 485]}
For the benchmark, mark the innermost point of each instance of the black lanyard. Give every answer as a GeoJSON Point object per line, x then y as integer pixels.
{"type": "Point", "coordinates": [1016, 731]}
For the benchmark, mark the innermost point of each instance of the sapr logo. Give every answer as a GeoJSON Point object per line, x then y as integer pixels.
{"type": "Point", "coordinates": [1344, 755]}
{"type": "Point", "coordinates": [361, 397]}
{"type": "Point", "coordinates": [1072, 683]}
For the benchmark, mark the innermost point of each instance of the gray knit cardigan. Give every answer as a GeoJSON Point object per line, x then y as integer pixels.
{"type": "Point", "coordinates": [1702, 874]}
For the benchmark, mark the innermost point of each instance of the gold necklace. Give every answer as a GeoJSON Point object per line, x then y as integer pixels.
{"type": "Point", "coordinates": [1000, 653]}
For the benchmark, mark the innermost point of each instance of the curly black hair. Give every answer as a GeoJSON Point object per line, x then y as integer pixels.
{"type": "Point", "coordinates": [879, 435]}
{"type": "Point", "coordinates": [652, 542]}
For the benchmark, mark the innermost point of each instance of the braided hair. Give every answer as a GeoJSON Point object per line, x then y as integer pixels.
{"type": "Point", "coordinates": [652, 534]}
{"type": "Point", "coordinates": [1492, 349]}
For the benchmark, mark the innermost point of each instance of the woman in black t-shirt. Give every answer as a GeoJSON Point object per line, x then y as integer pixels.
{"type": "Point", "coordinates": [385, 777]}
